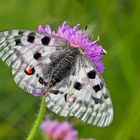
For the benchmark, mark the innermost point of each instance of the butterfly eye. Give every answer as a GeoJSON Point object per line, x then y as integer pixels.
{"type": "Point", "coordinates": [29, 70]}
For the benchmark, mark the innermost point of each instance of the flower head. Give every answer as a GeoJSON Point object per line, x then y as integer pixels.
{"type": "Point", "coordinates": [78, 38]}
{"type": "Point", "coordinates": [59, 130]}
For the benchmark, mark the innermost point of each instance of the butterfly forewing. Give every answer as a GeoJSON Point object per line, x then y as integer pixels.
{"type": "Point", "coordinates": [18, 46]}
{"type": "Point", "coordinates": [28, 53]}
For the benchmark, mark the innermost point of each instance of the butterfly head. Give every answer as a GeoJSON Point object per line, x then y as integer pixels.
{"type": "Point", "coordinates": [91, 52]}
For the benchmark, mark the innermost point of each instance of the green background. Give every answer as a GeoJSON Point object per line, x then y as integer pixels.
{"type": "Point", "coordinates": [117, 22]}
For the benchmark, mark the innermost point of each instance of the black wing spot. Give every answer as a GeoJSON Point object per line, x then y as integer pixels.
{"type": "Point", "coordinates": [97, 100]}
{"type": "Point", "coordinates": [91, 74]}
{"type": "Point", "coordinates": [37, 75]}
{"type": "Point", "coordinates": [61, 92]}
{"type": "Point", "coordinates": [20, 32]}
{"type": "Point", "coordinates": [31, 38]}
{"type": "Point", "coordinates": [79, 102]}
{"type": "Point", "coordinates": [37, 55]}
{"type": "Point", "coordinates": [106, 96]}
{"type": "Point", "coordinates": [85, 104]}
{"type": "Point", "coordinates": [92, 106]}
{"type": "Point", "coordinates": [45, 83]}
{"type": "Point", "coordinates": [55, 92]}
{"type": "Point", "coordinates": [18, 42]}
{"type": "Point", "coordinates": [32, 33]}
{"type": "Point", "coordinates": [45, 40]}
{"type": "Point", "coordinates": [41, 81]}
{"type": "Point", "coordinates": [65, 97]}
{"type": "Point", "coordinates": [102, 85]}
{"type": "Point", "coordinates": [77, 85]}
{"type": "Point", "coordinates": [97, 88]}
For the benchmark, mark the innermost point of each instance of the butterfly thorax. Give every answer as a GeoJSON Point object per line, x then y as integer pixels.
{"type": "Point", "coordinates": [61, 65]}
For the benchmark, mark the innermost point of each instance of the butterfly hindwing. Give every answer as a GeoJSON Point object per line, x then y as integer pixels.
{"type": "Point", "coordinates": [84, 96]}
{"type": "Point", "coordinates": [56, 99]}
{"type": "Point", "coordinates": [34, 83]}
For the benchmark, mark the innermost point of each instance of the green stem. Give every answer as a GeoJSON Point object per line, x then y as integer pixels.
{"type": "Point", "coordinates": [38, 120]}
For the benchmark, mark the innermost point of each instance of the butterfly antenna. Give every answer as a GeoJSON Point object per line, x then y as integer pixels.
{"type": "Point", "coordinates": [86, 27]}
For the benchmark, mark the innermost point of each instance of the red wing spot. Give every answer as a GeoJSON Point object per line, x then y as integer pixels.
{"type": "Point", "coordinates": [85, 81]}
{"type": "Point", "coordinates": [29, 70]}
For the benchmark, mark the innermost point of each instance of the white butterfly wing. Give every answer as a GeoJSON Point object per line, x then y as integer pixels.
{"type": "Point", "coordinates": [18, 46]}
{"type": "Point", "coordinates": [21, 49]}
{"type": "Point", "coordinates": [83, 95]}
{"type": "Point", "coordinates": [56, 99]}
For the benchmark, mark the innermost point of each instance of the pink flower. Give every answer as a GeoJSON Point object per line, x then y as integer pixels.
{"type": "Point", "coordinates": [59, 130]}
{"type": "Point", "coordinates": [78, 38]}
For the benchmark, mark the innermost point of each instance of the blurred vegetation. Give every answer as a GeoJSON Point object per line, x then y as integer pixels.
{"type": "Point", "coordinates": [117, 22]}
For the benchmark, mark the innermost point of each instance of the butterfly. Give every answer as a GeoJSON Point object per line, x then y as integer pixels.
{"type": "Point", "coordinates": [44, 63]}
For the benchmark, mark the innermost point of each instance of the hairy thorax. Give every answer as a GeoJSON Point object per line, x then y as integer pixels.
{"type": "Point", "coordinates": [61, 65]}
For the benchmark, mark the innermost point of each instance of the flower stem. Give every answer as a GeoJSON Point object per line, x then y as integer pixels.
{"type": "Point", "coordinates": [38, 120]}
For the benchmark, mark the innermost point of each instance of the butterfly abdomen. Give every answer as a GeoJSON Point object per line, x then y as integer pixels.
{"type": "Point", "coordinates": [63, 67]}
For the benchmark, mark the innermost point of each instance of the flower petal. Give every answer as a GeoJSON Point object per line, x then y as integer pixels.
{"type": "Point", "coordinates": [41, 29]}
{"type": "Point", "coordinates": [48, 29]}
